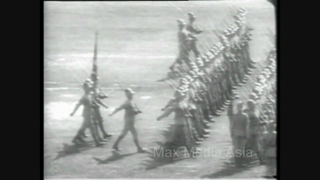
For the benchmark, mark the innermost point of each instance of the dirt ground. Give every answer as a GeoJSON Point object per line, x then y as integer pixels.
{"type": "Point", "coordinates": [137, 44]}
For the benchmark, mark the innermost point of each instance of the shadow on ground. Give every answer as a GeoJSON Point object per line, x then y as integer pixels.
{"type": "Point", "coordinates": [158, 158]}
{"type": "Point", "coordinates": [230, 169]}
{"type": "Point", "coordinates": [115, 156]}
{"type": "Point", "coordinates": [73, 149]}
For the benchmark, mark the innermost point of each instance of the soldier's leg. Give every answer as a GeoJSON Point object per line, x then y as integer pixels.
{"type": "Point", "coordinates": [243, 73]}
{"type": "Point", "coordinates": [251, 63]}
{"type": "Point", "coordinates": [195, 124]}
{"type": "Point", "coordinates": [134, 133]}
{"type": "Point", "coordinates": [242, 143]}
{"type": "Point", "coordinates": [79, 132]}
{"type": "Point", "coordinates": [247, 52]}
{"type": "Point", "coordinates": [202, 124]}
{"type": "Point", "coordinates": [244, 62]}
{"type": "Point", "coordinates": [239, 71]}
{"type": "Point", "coordinates": [94, 133]}
{"type": "Point", "coordinates": [270, 166]}
{"type": "Point", "coordinates": [257, 148]}
{"type": "Point", "coordinates": [229, 87]}
{"type": "Point", "coordinates": [235, 73]}
{"type": "Point", "coordinates": [87, 123]}
{"type": "Point", "coordinates": [274, 166]}
{"type": "Point", "coordinates": [95, 127]}
{"type": "Point", "coordinates": [122, 135]}
{"type": "Point", "coordinates": [100, 124]}
{"type": "Point", "coordinates": [194, 131]}
{"type": "Point", "coordinates": [188, 140]}
{"type": "Point", "coordinates": [195, 49]}
{"type": "Point", "coordinates": [177, 61]}
{"type": "Point", "coordinates": [235, 150]}
{"type": "Point", "coordinates": [173, 141]}
{"type": "Point", "coordinates": [204, 121]}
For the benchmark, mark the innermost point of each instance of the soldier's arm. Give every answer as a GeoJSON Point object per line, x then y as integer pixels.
{"type": "Point", "coordinates": [192, 36]}
{"type": "Point", "coordinates": [123, 106]}
{"type": "Point", "coordinates": [102, 95]}
{"type": "Point", "coordinates": [76, 107]}
{"type": "Point", "coordinates": [101, 103]}
{"type": "Point", "coordinates": [197, 30]}
{"type": "Point", "coordinates": [166, 113]}
{"type": "Point", "coordinates": [168, 104]}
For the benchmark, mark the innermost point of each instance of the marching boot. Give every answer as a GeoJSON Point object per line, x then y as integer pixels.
{"type": "Point", "coordinates": [219, 107]}
{"type": "Point", "coordinates": [196, 138]}
{"type": "Point", "coordinates": [252, 64]}
{"type": "Point", "coordinates": [75, 141]}
{"type": "Point", "coordinates": [215, 113]}
{"type": "Point", "coordinates": [260, 157]}
{"type": "Point", "coordinates": [98, 144]}
{"type": "Point", "coordinates": [244, 79]}
{"type": "Point", "coordinates": [197, 143]}
{"type": "Point", "coordinates": [77, 138]}
{"type": "Point", "coordinates": [200, 135]}
{"type": "Point", "coordinates": [211, 118]}
{"type": "Point", "coordinates": [212, 112]}
{"type": "Point", "coordinates": [206, 125]}
{"type": "Point", "coordinates": [115, 145]}
{"type": "Point", "coordinates": [240, 162]}
{"type": "Point", "coordinates": [249, 72]}
{"type": "Point", "coordinates": [206, 136]}
{"type": "Point", "coordinates": [237, 162]}
{"type": "Point", "coordinates": [83, 135]}
{"type": "Point", "coordinates": [101, 140]}
{"type": "Point", "coordinates": [140, 149]}
{"type": "Point", "coordinates": [205, 113]}
{"type": "Point", "coordinates": [96, 140]}
{"type": "Point", "coordinates": [205, 131]}
{"type": "Point", "coordinates": [81, 140]}
{"type": "Point", "coordinates": [106, 136]}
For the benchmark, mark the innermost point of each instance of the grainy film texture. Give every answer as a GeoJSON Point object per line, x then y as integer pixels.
{"type": "Point", "coordinates": [160, 90]}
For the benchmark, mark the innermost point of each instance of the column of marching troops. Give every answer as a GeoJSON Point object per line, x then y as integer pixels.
{"type": "Point", "coordinates": [206, 87]}
{"type": "Point", "coordinates": [207, 84]}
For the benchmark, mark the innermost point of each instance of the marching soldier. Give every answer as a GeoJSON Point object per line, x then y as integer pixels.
{"type": "Point", "coordinates": [254, 141]}
{"type": "Point", "coordinates": [194, 30]}
{"type": "Point", "coordinates": [98, 120]}
{"type": "Point", "coordinates": [181, 130]}
{"type": "Point", "coordinates": [239, 133]}
{"type": "Point", "coordinates": [184, 39]}
{"type": "Point", "coordinates": [96, 108]}
{"type": "Point", "coordinates": [131, 111]}
{"type": "Point", "coordinates": [270, 138]}
{"type": "Point", "coordinates": [87, 115]}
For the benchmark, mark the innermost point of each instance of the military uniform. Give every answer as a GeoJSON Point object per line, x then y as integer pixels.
{"type": "Point", "coordinates": [240, 127]}
{"type": "Point", "coordinates": [181, 134]}
{"type": "Point", "coordinates": [194, 30]}
{"type": "Point", "coordinates": [254, 141]}
{"type": "Point", "coordinates": [131, 111]}
{"type": "Point", "coordinates": [87, 115]}
{"type": "Point", "coordinates": [184, 38]}
{"type": "Point", "coordinates": [270, 154]}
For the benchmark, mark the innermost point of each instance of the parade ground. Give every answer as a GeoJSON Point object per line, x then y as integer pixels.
{"type": "Point", "coordinates": [137, 44]}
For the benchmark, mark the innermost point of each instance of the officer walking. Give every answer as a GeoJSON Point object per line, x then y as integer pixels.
{"type": "Point", "coordinates": [131, 111]}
